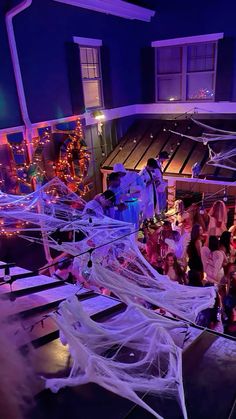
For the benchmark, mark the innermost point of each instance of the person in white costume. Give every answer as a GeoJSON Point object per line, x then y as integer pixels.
{"type": "Point", "coordinates": [161, 189]}
{"type": "Point", "coordinates": [213, 259]}
{"type": "Point", "coordinates": [151, 178]}
{"type": "Point", "coordinates": [131, 186]}
{"type": "Point", "coordinates": [218, 219]}
{"type": "Point", "coordinates": [100, 203]}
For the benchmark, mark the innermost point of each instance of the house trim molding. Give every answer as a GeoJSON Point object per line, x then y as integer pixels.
{"type": "Point", "coordinates": [90, 42]}
{"type": "Point", "coordinates": [181, 108]}
{"type": "Point", "coordinates": [188, 40]}
{"type": "Point", "coordinates": [113, 7]}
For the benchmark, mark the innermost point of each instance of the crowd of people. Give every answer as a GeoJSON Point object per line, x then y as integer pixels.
{"type": "Point", "coordinates": [192, 246]}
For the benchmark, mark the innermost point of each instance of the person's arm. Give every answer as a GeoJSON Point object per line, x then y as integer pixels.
{"type": "Point", "coordinates": [158, 179]}
{"type": "Point", "coordinates": [149, 182]}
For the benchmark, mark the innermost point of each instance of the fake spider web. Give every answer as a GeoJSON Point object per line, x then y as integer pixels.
{"type": "Point", "coordinates": [144, 358]}
{"type": "Point", "coordinates": [219, 142]}
{"type": "Point", "coordinates": [117, 265]}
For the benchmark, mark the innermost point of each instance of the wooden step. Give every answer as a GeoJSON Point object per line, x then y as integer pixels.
{"type": "Point", "coordinates": [15, 270]}
{"type": "Point", "coordinates": [36, 302]}
{"type": "Point", "coordinates": [29, 285]}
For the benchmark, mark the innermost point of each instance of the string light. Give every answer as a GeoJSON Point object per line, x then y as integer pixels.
{"type": "Point", "coordinates": [73, 164]}
{"type": "Point", "coordinates": [71, 167]}
{"type": "Point", "coordinates": [225, 197]}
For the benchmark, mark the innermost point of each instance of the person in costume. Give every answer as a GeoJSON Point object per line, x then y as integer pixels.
{"type": "Point", "coordinates": [161, 189]}
{"type": "Point", "coordinates": [100, 204]}
{"type": "Point", "coordinates": [151, 179]}
{"type": "Point", "coordinates": [131, 186]}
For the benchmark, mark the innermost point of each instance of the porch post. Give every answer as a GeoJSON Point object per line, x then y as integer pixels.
{"type": "Point", "coordinates": [171, 192]}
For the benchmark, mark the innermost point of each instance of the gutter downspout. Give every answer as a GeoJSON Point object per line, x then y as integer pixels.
{"type": "Point", "coordinates": [17, 71]}
{"type": "Point", "coordinates": [21, 95]}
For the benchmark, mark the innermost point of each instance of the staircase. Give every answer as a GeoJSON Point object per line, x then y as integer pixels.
{"type": "Point", "coordinates": [209, 367]}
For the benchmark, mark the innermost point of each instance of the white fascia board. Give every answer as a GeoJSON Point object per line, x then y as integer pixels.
{"type": "Point", "coordinates": [113, 7]}
{"type": "Point", "coordinates": [178, 108]}
{"type": "Point", "coordinates": [88, 42]}
{"type": "Point", "coordinates": [188, 40]}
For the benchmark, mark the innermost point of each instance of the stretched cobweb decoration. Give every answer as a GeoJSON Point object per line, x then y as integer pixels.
{"type": "Point", "coordinates": [118, 264]}
{"type": "Point", "coordinates": [224, 157]}
{"type": "Point", "coordinates": [214, 129]}
{"type": "Point", "coordinates": [143, 358]}
{"type": "Point", "coordinates": [136, 283]}
{"type": "Point", "coordinates": [48, 207]}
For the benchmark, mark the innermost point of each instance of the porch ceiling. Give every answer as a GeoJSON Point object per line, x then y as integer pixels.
{"type": "Point", "coordinates": [147, 137]}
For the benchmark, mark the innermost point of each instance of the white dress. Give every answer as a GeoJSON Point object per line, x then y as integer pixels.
{"type": "Point", "coordinates": [149, 192]}
{"type": "Point", "coordinates": [161, 189]}
{"type": "Point", "coordinates": [212, 264]}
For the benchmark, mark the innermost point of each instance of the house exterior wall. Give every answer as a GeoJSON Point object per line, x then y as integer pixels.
{"type": "Point", "coordinates": [9, 106]}
{"type": "Point", "coordinates": [45, 28]}
{"type": "Point", "coordinates": [42, 33]}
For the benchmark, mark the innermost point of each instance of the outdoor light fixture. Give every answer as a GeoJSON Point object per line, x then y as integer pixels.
{"type": "Point", "coordinates": [99, 115]}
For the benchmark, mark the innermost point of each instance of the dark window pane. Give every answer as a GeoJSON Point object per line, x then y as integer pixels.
{"type": "Point", "coordinates": [169, 60]}
{"type": "Point", "coordinates": [169, 88]}
{"type": "Point", "coordinates": [201, 57]}
{"type": "Point", "coordinates": [200, 86]}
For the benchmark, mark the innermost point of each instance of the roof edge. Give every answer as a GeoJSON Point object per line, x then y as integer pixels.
{"type": "Point", "coordinates": [115, 7]}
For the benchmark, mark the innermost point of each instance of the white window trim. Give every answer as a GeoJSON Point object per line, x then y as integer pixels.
{"type": "Point", "coordinates": [188, 40]}
{"type": "Point", "coordinates": [114, 7]}
{"type": "Point", "coordinates": [88, 42]}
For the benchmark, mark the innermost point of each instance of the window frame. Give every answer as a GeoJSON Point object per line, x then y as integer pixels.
{"type": "Point", "coordinates": [184, 43]}
{"type": "Point", "coordinates": [95, 44]}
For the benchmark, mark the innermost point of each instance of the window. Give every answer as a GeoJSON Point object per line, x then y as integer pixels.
{"type": "Point", "coordinates": [91, 71]}
{"type": "Point", "coordinates": [91, 76]}
{"type": "Point", "coordinates": [186, 68]}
